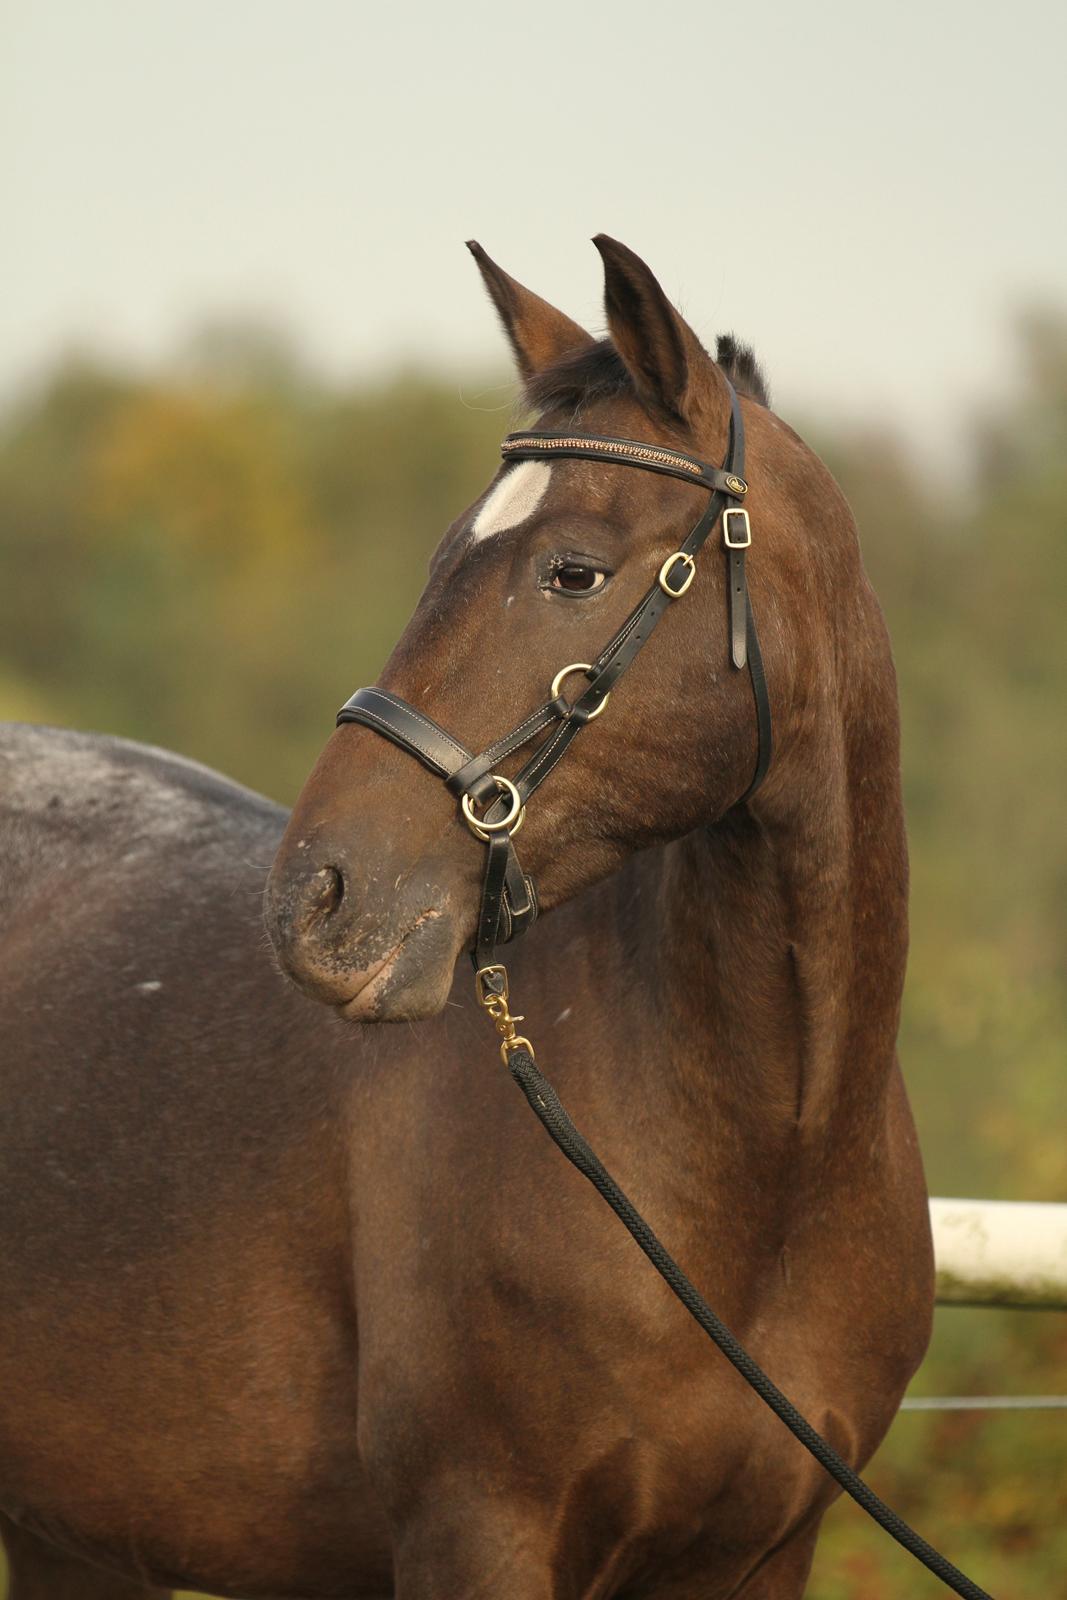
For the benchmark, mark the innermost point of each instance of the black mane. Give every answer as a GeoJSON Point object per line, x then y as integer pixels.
{"type": "Point", "coordinates": [596, 372]}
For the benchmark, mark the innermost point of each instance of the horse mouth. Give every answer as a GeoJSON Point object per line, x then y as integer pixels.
{"type": "Point", "coordinates": [365, 1001]}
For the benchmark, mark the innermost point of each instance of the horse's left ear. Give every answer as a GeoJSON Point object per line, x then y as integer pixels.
{"type": "Point", "coordinates": [674, 375]}
{"type": "Point", "coordinates": [539, 334]}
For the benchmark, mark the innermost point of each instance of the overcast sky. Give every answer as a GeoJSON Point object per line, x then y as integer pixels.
{"type": "Point", "coordinates": [864, 192]}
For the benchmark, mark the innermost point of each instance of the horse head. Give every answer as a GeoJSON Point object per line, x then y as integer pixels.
{"type": "Point", "coordinates": [375, 889]}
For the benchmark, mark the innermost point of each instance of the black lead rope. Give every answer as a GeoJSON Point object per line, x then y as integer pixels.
{"type": "Point", "coordinates": [549, 1110]}
{"type": "Point", "coordinates": [509, 901]}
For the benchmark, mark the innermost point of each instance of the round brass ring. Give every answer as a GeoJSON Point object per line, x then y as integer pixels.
{"type": "Point", "coordinates": [565, 672]}
{"type": "Point", "coordinates": [511, 823]}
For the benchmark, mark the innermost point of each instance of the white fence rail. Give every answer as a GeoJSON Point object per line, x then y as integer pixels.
{"type": "Point", "coordinates": [1000, 1253]}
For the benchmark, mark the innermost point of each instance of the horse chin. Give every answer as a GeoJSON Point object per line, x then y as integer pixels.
{"type": "Point", "coordinates": [410, 983]}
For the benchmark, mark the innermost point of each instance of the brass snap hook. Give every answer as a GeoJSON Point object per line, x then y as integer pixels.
{"type": "Point", "coordinates": [491, 987]}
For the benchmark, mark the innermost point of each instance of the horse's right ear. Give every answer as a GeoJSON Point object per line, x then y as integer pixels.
{"type": "Point", "coordinates": [673, 374]}
{"type": "Point", "coordinates": [539, 334]}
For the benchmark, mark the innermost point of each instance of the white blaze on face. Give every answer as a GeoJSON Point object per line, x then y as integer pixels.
{"type": "Point", "coordinates": [514, 500]}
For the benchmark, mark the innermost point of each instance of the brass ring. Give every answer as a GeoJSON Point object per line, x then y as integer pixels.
{"type": "Point", "coordinates": [516, 812]}
{"type": "Point", "coordinates": [565, 672]}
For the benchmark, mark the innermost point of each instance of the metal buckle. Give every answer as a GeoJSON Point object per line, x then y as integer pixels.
{"type": "Point", "coordinates": [742, 517]}
{"type": "Point", "coordinates": [491, 985]}
{"type": "Point", "coordinates": [516, 812]}
{"type": "Point", "coordinates": [565, 672]}
{"type": "Point", "coordinates": [665, 571]}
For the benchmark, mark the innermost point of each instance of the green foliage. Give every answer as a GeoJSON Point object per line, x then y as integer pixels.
{"type": "Point", "coordinates": [212, 558]}
{"type": "Point", "coordinates": [183, 551]}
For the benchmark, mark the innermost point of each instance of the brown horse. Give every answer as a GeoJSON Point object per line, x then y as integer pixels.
{"type": "Point", "coordinates": [294, 1308]}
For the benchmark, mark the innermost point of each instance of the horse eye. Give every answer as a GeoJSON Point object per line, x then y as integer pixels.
{"type": "Point", "coordinates": [572, 578]}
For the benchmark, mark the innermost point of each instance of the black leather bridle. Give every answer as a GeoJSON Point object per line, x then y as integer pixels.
{"type": "Point", "coordinates": [509, 899]}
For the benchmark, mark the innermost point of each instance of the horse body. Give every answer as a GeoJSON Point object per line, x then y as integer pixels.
{"type": "Point", "coordinates": [177, 1364]}
{"type": "Point", "coordinates": [216, 1185]}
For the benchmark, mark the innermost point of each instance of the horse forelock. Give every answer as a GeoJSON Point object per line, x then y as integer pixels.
{"type": "Point", "coordinates": [597, 372]}
{"type": "Point", "coordinates": [739, 363]}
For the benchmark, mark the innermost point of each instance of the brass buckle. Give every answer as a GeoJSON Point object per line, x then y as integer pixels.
{"type": "Point", "coordinates": [516, 813]}
{"type": "Point", "coordinates": [565, 672]}
{"type": "Point", "coordinates": [665, 571]}
{"type": "Point", "coordinates": [491, 985]}
{"type": "Point", "coordinates": [740, 516]}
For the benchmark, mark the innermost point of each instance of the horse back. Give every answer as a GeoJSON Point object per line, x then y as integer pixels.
{"type": "Point", "coordinates": [174, 1236]}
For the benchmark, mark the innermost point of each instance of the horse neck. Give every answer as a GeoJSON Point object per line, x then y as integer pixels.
{"type": "Point", "coordinates": [776, 939]}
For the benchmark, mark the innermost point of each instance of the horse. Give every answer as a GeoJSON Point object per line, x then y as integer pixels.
{"type": "Point", "coordinates": [299, 1304]}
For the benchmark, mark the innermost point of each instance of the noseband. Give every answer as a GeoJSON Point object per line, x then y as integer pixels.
{"type": "Point", "coordinates": [509, 899]}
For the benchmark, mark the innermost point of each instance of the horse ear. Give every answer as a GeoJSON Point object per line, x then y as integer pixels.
{"type": "Point", "coordinates": [539, 334]}
{"type": "Point", "coordinates": [671, 370]}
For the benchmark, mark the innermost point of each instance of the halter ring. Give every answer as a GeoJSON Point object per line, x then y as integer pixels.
{"type": "Point", "coordinates": [565, 672]}
{"type": "Point", "coordinates": [516, 812]}
{"type": "Point", "coordinates": [667, 568]}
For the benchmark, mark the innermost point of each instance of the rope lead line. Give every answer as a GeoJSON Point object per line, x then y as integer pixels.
{"type": "Point", "coordinates": [549, 1110]}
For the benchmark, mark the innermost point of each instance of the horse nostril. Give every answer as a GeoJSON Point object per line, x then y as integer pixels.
{"type": "Point", "coordinates": [327, 890]}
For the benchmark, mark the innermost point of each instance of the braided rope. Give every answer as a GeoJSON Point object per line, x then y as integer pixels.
{"type": "Point", "coordinates": [548, 1108]}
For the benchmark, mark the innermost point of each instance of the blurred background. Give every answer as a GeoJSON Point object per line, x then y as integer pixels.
{"type": "Point", "coordinates": [248, 376]}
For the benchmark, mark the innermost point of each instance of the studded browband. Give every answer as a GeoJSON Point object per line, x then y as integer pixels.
{"type": "Point", "coordinates": [509, 900]}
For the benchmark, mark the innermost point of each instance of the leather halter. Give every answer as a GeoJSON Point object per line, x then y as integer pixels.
{"type": "Point", "coordinates": [509, 900]}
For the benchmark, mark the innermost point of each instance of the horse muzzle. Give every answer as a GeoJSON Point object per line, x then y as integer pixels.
{"type": "Point", "coordinates": [390, 962]}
